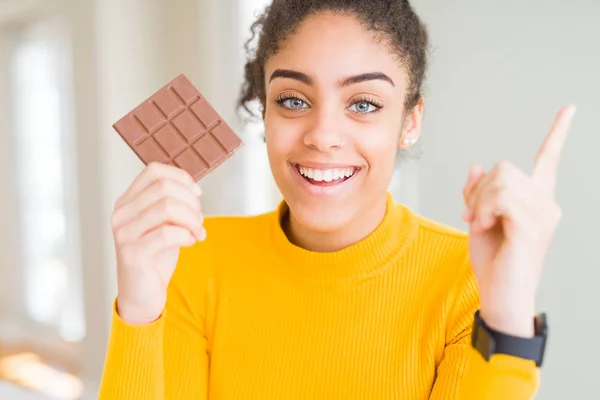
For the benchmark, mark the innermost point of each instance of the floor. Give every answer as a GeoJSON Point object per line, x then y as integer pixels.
{"type": "Point", "coordinates": [11, 392]}
{"type": "Point", "coordinates": [26, 366]}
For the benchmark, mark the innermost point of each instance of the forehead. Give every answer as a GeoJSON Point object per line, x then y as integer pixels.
{"type": "Point", "coordinates": [330, 46]}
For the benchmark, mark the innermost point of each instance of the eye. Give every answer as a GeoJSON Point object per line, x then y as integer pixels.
{"type": "Point", "coordinates": [291, 103]}
{"type": "Point", "coordinates": [365, 106]}
{"type": "Point", "coordinates": [362, 107]}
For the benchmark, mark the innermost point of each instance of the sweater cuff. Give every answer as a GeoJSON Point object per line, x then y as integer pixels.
{"type": "Point", "coordinates": [504, 373]}
{"type": "Point", "coordinates": [521, 367]}
{"type": "Point", "coordinates": [119, 323]}
{"type": "Point", "coordinates": [144, 339]}
{"type": "Point", "coordinates": [134, 358]}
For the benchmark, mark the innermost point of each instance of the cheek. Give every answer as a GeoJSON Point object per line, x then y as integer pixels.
{"type": "Point", "coordinates": [282, 136]}
{"type": "Point", "coordinates": [380, 147]}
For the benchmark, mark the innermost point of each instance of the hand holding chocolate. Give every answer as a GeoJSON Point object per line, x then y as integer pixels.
{"type": "Point", "coordinates": [181, 138]}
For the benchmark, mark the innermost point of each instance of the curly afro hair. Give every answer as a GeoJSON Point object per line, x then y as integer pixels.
{"type": "Point", "coordinates": [392, 20]}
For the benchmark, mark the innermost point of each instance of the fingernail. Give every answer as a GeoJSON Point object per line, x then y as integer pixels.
{"type": "Point", "coordinates": [196, 189]}
{"type": "Point", "coordinates": [202, 234]}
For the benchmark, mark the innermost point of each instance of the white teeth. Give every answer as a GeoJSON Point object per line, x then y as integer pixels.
{"type": "Point", "coordinates": [318, 175]}
{"type": "Point", "coordinates": [326, 175]}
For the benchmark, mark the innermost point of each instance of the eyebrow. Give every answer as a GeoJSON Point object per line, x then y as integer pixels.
{"type": "Point", "coordinates": [351, 80]}
{"type": "Point", "coordinates": [288, 73]}
{"type": "Point", "coordinates": [369, 76]}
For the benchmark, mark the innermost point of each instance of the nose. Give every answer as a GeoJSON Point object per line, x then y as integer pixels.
{"type": "Point", "coordinates": [324, 133]}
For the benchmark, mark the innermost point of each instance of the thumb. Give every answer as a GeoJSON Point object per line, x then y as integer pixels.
{"type": "Point", "coordinates": [476, 172]}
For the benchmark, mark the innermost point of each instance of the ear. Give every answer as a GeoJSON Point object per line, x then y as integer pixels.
{"type": "Point", "coordinates": [411, 127]}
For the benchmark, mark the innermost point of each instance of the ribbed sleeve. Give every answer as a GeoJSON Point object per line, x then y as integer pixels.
{"type": "Point", "coordinates": [463, 373]}
{"type": "Point", "coordinates": [135, 360]}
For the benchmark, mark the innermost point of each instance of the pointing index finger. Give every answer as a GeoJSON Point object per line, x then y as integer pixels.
{"type": "Point", "coordinates": [546, 163]}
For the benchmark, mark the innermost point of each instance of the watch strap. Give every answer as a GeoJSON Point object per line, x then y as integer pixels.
{"type": "Point", "coordinates": [489, 341]}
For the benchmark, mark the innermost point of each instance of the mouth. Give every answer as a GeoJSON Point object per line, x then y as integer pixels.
{"type": "Point", "coordinates": [326, 177]}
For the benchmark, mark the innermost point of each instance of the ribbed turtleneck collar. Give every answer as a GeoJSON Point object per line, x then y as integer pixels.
{"type": "Point", "coordinates": [368, 257]}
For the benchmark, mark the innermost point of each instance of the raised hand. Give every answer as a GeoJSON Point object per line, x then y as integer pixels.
{"type": "Point", "coordinates": [512, 219]}
{"type": "Point", "coordinates": [156, 216]}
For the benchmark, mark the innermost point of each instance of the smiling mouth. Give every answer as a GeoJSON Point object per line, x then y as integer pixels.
{"type": "Point", "coordinates": [326, 177]}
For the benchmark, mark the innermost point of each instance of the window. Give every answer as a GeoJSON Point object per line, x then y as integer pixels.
{"type": "Point", "coordinates": [45, 193]}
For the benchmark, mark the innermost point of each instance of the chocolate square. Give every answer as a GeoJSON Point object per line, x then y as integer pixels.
{"type": "Point", "coordinates": [189, 126]}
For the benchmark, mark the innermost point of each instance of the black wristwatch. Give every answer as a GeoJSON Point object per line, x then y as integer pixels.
{"type": "Point", "coordinates": [489, 342]}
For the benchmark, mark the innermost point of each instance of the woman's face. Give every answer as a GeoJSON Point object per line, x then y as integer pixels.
{"type": "Point", "coordinates": [334, 120]}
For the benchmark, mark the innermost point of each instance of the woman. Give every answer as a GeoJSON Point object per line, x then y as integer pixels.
{"type": "Point", "coordinates": [340, 292]}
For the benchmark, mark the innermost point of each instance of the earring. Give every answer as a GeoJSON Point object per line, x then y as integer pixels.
{"type": "Point", "coordinates": [410, 141]}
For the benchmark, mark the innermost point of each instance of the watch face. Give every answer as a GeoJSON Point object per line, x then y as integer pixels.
{"type": "Point", "coordinates": [541, 325]}
{"type": "Point", "coordinates": [481, 339]}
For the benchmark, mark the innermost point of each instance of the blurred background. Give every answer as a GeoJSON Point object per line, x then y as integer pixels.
{"type": "Point", "coordinates": [70, 68]}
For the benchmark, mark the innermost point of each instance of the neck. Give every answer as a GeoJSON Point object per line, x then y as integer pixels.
{"type": "Point", "coordinates": [330, 241]}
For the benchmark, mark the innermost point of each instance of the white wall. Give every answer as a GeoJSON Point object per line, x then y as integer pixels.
{"type": "Point", "coordinates": [499, 72]}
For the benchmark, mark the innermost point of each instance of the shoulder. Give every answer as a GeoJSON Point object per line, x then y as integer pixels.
{"type": "Point", "coordinates": [440, 241]}
{"type": "Point", "coordinates": [225, 235]}
{"type": "Point", "coordinates": [218, 226]}
{"type": "Point", "coordinates": [446, 251]}
{"type": "Point", "coordinates": [196, 274]}
{"type": "Point", "coordinates": [451, 273]}
{"type": "Point", "coordinates": [440, 230]}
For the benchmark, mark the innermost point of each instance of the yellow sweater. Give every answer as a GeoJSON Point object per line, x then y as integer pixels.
{"type": "Point", "coordinates": [251, 316]}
